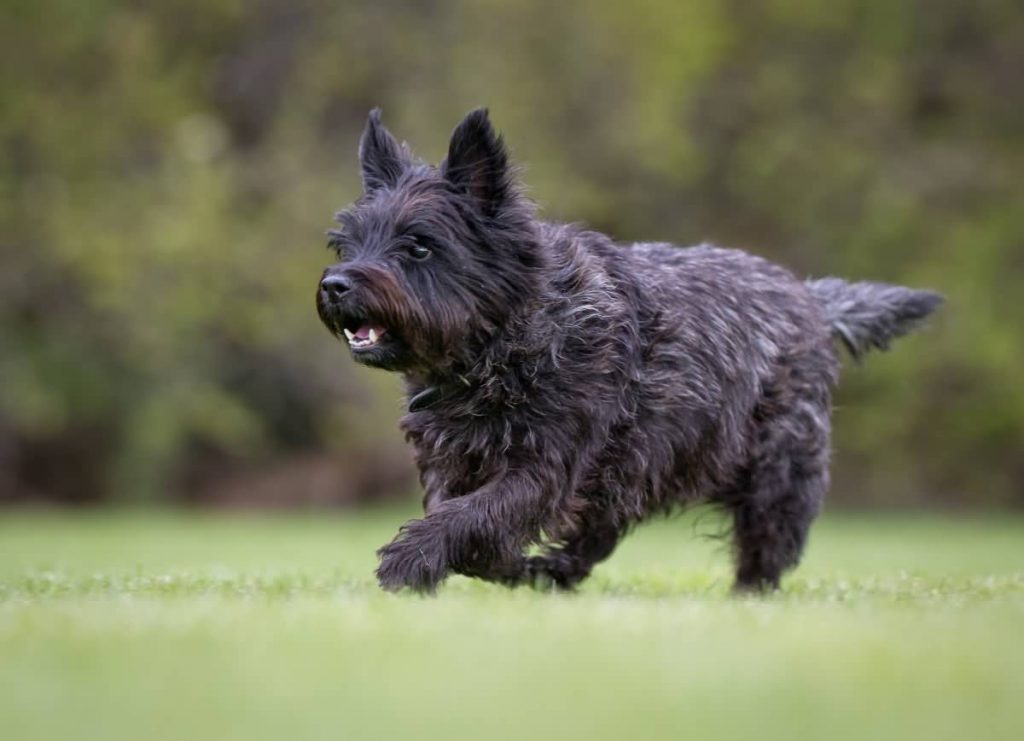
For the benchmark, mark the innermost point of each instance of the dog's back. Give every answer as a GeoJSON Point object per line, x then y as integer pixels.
{"type": "Point", "coordinates": [728, 339]}
{"type": "Point", "coordinates": [733, 373]}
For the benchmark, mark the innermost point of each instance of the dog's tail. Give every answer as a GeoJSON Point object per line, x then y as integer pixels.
{"type": "Point", "coordinates": [870, 315]}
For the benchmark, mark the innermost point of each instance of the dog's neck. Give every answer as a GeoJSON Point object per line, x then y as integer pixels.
{"type": "Point", "coordinates": [429, 395]}
{"type": "Point", "coordinates": [479, 368]}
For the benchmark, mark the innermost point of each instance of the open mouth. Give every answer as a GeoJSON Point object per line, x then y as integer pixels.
{"type": "Point", "coordinates": [364, 336]}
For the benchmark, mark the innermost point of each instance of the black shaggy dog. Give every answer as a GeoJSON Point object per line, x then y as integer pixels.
{"type": "Point", "coordinates": [562, 387]}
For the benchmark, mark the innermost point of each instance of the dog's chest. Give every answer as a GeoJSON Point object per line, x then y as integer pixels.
{"type": "Point", "coordinates": [466, 450]}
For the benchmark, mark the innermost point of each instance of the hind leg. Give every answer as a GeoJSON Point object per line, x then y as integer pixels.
{"type": "Point", "coordinates": [770, 529]}
{"type": "Point", "coordinates": [779, 496]}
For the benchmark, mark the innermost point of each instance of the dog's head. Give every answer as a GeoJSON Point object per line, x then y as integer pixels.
{"type": "Point", "coordinates": [430, 259]}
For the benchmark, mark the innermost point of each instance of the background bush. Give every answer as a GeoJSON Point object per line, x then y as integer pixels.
{"type": "Point", "coordinates": [169, 168]}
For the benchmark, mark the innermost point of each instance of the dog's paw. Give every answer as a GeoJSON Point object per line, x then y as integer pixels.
{"type": "Point", "coordinates": [553, 571]}
{"type": "Point", "coordinates": [414, 560]}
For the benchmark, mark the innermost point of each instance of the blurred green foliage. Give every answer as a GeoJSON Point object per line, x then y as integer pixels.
{"type": "Point", "coordinates": [167, 170]}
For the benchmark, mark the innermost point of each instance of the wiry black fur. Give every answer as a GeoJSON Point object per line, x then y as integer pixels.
{"type": "Point", "coordinates": [563, 387]}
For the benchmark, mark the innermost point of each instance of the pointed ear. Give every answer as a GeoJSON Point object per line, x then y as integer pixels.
{"type": "Point", "coordinates": [381, 158]}
{"type": "Point", "coordinates": [477, 161]}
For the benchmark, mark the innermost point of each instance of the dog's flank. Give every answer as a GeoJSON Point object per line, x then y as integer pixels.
{"type": "Point", "coordinates": [562, 387]}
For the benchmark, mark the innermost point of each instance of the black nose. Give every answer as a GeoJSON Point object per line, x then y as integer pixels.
{"type": "Point", "coordinates": [335, 286]}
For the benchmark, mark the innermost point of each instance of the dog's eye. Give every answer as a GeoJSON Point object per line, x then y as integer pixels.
{"type": "Point", "coordinates": [419, 251]}
{"type": "Point", "coordinates": [334, 244]}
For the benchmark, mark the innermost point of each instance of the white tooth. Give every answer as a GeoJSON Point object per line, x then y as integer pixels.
{"type": "Point", "coordinates": [373, 336]}
{"type": "Point", "coordinates": [349, 335]}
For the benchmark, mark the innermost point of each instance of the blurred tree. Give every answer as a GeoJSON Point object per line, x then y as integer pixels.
{"type": "Point", "coordinates": [168, 170]}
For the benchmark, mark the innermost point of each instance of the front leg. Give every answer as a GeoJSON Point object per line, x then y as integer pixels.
{"type": "Point", "coordinates": [482, 534]}
{"type": "Point", "coordinates": [417, 558]}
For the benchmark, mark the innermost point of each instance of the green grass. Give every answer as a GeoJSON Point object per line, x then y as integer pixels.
{"type": "Point", "coordinates": [220, 627]}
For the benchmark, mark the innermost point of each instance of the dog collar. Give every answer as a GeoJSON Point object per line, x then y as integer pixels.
{"type": "Point", "coordinates": [431, 395]}
{"type": "Point", "coordinates": [424, 399]}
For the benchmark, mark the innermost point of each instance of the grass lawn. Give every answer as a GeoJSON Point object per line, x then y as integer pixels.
{"type": "Point", "coordinates": [172, 626]}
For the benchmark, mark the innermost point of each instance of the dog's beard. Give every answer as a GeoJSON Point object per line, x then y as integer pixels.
{"type": "Point", "coordinates": [386, 331]}
{"type": "Point", "coordinates": [388, 352]}
{"type": "Point", "coordinates": [373, 341]}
